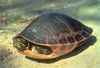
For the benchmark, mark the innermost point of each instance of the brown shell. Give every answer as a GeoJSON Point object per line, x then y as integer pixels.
{"type": "Point", "coordinates": [55, 28]}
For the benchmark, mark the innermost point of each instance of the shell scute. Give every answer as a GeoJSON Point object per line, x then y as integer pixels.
{"type": "Point", "coordinates": [52, 41]}
{"type": "Point", "coordinates": [41, 40]}
{"type": "Point", "coordinates": [71, 39]}
{"type": "Point", "coordinates": [86, 35]}
{"type": "Point", "coordinates": [78, 37]}
{"type": "Point", "coordinates": [63, 41]}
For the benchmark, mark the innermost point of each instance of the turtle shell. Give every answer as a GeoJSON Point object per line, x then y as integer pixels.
{"type": "Point", "coordinates": [54, 28]}
{"type": "Point", "coordinates": [54, 35]}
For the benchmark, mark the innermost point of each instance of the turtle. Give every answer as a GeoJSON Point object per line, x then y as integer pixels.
{"type": "Point", "coordinates": [51, 35]}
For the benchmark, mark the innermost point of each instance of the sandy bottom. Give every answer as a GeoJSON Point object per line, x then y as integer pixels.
{"type": "Point", "coordinates": [87, 55]}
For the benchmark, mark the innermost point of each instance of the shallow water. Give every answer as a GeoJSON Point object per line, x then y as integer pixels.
{"type": "Point", "coordinates": [15, 15]}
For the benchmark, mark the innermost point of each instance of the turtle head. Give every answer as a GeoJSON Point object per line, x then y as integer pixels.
{"type": "Point", "coordinates": [19, 43]}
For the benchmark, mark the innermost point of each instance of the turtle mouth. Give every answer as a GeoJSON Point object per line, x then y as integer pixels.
{"type": "Point", "coordinates": [41, 50]}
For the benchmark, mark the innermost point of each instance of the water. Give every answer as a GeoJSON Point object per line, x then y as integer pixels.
{"type": "Point", "coordinates": [15, 15]}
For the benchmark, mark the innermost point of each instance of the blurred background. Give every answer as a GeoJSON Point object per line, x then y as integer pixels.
{"type": "Point", "coordinates": [15, 15]}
